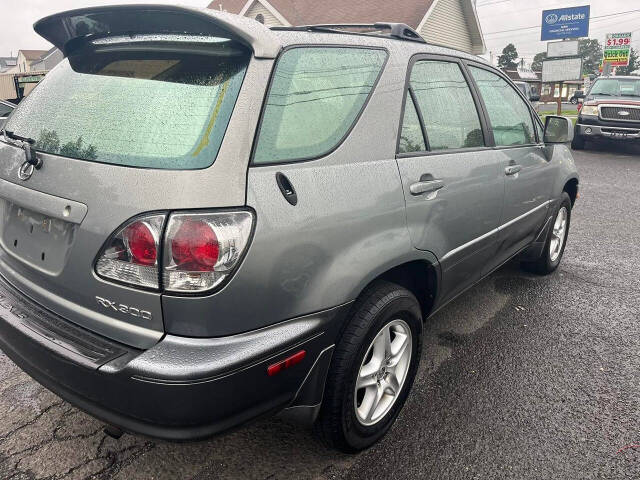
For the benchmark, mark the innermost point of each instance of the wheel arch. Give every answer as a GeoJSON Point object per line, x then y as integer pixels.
{"type": "Point", "coordinates": [571, 187]}
{"type": "Point", "coordinates": [421, 277]}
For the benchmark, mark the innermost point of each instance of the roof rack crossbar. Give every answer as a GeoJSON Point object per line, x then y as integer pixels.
{"type": "Point", "coordinates": [400, 31]}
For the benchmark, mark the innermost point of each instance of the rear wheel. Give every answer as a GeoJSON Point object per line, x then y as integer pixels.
{"type": "Point", "coordinates": [372, 369]}
{"type": "Point", "coordinates": [556, 240]}
{"type": "Point", "coordinates": [574, 101]}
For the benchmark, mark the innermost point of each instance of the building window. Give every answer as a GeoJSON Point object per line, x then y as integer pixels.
{"type": "Point", "coordinates": [260, 18]}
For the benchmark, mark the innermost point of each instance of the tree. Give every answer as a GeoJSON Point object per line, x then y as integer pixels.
{"type": "Point", "coordinates": [634, 64]}
{"type": "Point", "coordinates": [591, 52]}
{"type": "Point", "coordinates": [508, 58]}
{"type": "Point", "coordinates": [50, 142]}
{"type": "Point", "coordinates": [536, 65]}
{"type": "Point", "coordinates": [75, 150]}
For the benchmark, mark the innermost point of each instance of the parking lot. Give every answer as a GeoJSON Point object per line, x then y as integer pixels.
{"type": "Point", "coordinates": [522, 377]}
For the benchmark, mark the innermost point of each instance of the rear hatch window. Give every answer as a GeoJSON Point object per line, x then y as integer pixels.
{"type": "Point", "coordinates": [128, 104]}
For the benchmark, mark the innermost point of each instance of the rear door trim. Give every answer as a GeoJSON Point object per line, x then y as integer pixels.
{"type": "Point", "coordinates": [50, 205]}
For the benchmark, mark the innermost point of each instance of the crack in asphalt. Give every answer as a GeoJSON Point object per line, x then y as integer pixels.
{"type": "Point", "coordinates": [30, 422]}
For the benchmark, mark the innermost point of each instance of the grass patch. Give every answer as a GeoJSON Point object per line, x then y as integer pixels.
{"type": "Point", "coordinates": [574, 116]}
{"type": "Point", "coordinates": [568, 113]}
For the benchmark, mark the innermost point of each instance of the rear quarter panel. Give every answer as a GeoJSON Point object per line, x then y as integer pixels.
{"type": "Point", "coordinates": [348, 226]}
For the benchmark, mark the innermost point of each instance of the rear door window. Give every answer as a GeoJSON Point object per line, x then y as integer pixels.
{"type": "Point", "coordinates": [510, 116]}
{"type": "Point", "coordinates": [411, 136]}
{"type": "Point", "coordinates": [316, 95]}
{"type": "Point", "coordinates": [449, 113]}
{"type": "Point", "coordinates": [147, 108]}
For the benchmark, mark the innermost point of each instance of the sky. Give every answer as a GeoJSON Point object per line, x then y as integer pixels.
{"type": "Point", "coordinates": [16, 25]}
{"type": "Point", "coordinates": [499, 15]}
{"type": "Point", "coordinates": [18, 17]}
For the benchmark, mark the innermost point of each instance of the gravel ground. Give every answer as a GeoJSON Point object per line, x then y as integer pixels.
{"type": "Point", "coordinates": [522, 377]}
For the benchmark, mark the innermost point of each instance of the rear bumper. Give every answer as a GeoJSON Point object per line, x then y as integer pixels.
{"type": "Point", "coordinates": [180, 389]}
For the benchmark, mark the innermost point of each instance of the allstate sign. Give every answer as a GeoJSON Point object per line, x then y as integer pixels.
{"type": "Point", "coordinates": [570, 22]}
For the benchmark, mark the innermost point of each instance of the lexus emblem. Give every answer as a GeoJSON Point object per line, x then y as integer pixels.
{"type": "Point", "coordinates": [26, 170]}
{"type": "Point", "coordinates": [623, 113]}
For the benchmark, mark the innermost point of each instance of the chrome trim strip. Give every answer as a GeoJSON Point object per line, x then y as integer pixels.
{"type": "Point", "coordinates": [468, 244]}
{"type": "Point", "coordinates": [621, 105]}
{"type": "Point", "coordinates": [599, 127]}
{"type": "Point", "coordinates": [517, 219]}
{"type": "Point", "coordinates": [495, 230]}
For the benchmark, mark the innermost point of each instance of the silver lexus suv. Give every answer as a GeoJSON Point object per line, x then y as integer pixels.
{"type": "Point", "coordinates": [203, 220]}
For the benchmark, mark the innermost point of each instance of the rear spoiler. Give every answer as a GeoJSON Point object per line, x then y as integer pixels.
{"type": "Point", "coordinates": [62, 27]}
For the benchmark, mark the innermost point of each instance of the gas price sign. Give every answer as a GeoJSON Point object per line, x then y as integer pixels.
{"type": "Point", "coordinates": [617, 48]}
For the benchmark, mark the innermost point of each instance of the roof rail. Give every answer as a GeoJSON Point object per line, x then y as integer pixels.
{"type": "Point", "coordinates": [400, 31]}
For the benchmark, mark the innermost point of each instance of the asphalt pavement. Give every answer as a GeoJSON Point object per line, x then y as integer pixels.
{"type": "Point", "coordinates": [522, 377]}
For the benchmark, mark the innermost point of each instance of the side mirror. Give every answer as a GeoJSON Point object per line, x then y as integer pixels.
{"type": "Point", "coordinates": [558, 129]}
{"type": "Point", "coordinates": [534, 97]}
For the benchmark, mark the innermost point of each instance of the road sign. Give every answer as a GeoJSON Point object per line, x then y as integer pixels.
{"type": "Point", "coordinates": [561, 69]}
{"type": "Point", "coordinates": [565, 23]}
{"type": "Point", "coordinates": [562, 49]}
{"type": "Point", "coordinates": [617, 49]}
{"type": "Point", "coordinates": [30, 79]}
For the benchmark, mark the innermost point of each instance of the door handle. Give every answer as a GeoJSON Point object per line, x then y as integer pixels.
{"type": "Point", "coordinates": [425, 186]}
{"type": "Point", "coordinates": [512, 169]}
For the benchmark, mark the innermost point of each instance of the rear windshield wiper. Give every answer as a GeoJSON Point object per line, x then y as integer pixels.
{"type": "Point", "coordinates": [27, 143]}
{"type": "Point", "coordinates": [13, 136]}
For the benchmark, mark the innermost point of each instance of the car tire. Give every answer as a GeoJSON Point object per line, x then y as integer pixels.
{"type": "Point", "coordinates": [556, 240]}
{"type": "Point", "coordinates": [578, 142]}
{"type": "Point", "coordinates": [345, 422]}
{"type": "Point", "coordinates": [574, 101]}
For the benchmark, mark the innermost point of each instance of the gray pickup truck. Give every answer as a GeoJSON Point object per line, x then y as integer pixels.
{"type": "Point", "coordinates": [204, 221]}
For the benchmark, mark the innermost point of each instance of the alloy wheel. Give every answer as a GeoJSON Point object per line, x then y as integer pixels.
{"type": "Point", "coordinates": [558, 234]}
{"type": "Point", "coordinates": [383, 372]}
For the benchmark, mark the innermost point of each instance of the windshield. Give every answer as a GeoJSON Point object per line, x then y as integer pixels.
{"type": "Point", "coordinates": [155, 109]}
{"type": "Point", "coordinates": [616, 87]}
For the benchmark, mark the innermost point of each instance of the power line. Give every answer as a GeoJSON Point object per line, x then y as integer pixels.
{"type": "Point", "coordinates": [491, 3]}
{"type": "Point", "coordinates": [599, 29]}
{"type": "Point", "coordinates": [539, 26]}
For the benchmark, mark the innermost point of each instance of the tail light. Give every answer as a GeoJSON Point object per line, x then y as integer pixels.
{"type": "Point", "coordinates": [199, 250]}
{"type": "Point", "coordinates": [131, 255]}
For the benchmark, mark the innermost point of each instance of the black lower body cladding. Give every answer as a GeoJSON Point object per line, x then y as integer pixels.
{"type": "Point", "coordinates": [180, 389]}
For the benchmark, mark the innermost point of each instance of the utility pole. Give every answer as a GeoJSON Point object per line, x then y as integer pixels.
{"type": "Point", "coordinates": [559, 112]}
